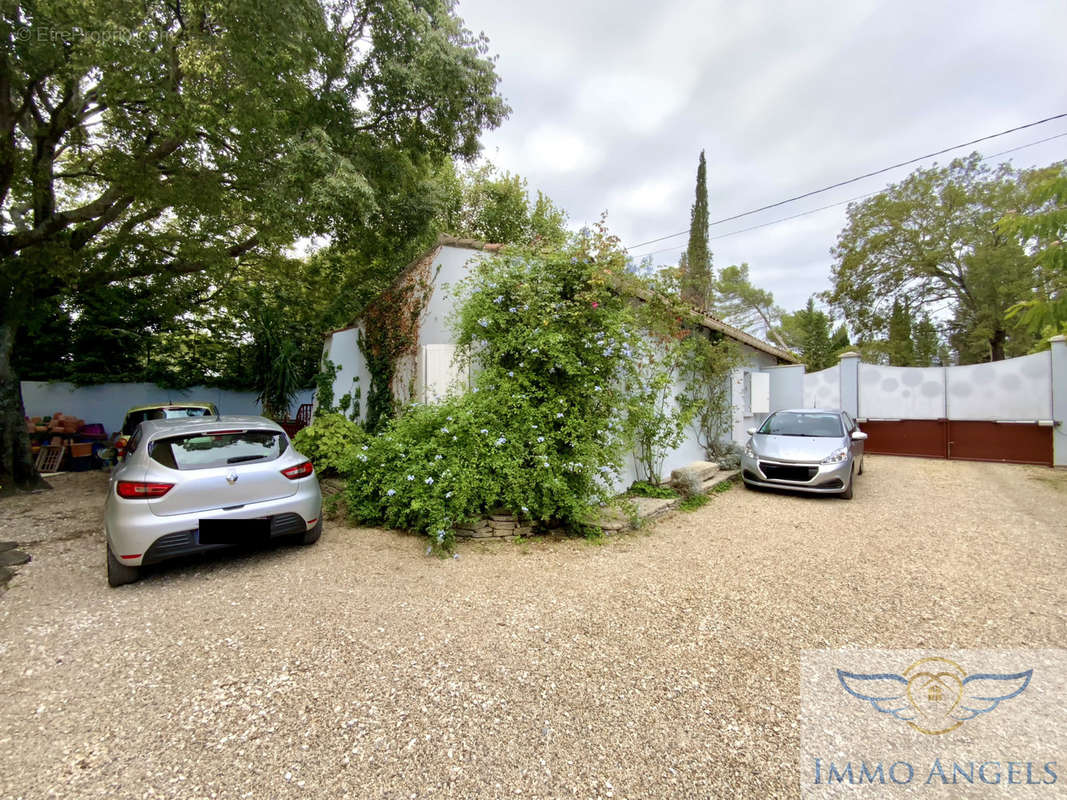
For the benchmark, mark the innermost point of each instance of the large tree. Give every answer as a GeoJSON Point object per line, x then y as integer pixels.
{"type": "Point", "coordinates": [1043, 232]}
{"type": "Point", "coordinates": [696, 273]}
{"type": "Point", "coordinates": [145, 141]}
{"type": "Point", "coordinates": [483, 203]}
{"type": "Point", "coordinates": [932, 242]}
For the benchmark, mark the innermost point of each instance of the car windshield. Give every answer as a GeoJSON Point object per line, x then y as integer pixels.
{"type": "Point", "coordinates": [789, 423]}
{"type": "Point", "coordinates": [135, 418]}
{"type": "Point", "coordinates": [218, 449]}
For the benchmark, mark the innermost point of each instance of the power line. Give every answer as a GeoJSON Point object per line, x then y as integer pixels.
{"type": "Point", "coordinates": [857, 178]}
{"type": "Point", "coordinates": [833, 205]}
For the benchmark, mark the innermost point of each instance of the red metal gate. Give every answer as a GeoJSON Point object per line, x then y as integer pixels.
{"type": "Point", "coordinates": [1012, 442]}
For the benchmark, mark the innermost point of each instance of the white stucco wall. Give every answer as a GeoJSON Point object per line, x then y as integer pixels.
{"type": "Point", "coordinates": [822, 389]}
{"type": "Point", "coordinates": [449, 266]}
{"type": "Point", "coordinates": [743, 419]}
{"type": "Point", "coordinates": [342, 348]}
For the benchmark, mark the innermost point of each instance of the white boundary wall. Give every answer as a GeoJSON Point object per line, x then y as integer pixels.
{"type": "Point", "coordinates": [107, 403]}
{"type": "Point", "coordinates": [1030, 388]}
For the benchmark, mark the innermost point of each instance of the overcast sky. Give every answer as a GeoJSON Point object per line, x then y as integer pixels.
{"type": "Point", "coordinates": [613, 102]}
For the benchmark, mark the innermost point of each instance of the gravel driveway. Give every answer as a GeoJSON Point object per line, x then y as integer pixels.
{"type": "Point", "coordinates": [662, 663]}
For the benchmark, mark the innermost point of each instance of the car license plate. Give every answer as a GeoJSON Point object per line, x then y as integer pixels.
{"type": "Point", "coordinates": [233, 531]}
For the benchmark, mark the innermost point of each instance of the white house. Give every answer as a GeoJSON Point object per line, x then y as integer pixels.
{"type": "Point", "coordinates": [429, 372]}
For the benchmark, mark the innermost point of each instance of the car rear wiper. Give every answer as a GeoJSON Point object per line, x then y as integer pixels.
{"type": "Point", "coordinates": [237, 459]}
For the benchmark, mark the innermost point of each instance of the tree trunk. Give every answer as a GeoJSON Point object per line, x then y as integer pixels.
{"type": "Point", "coordinates": [17, 470]}
{"type": "Point", "coordinates": [996, 345]}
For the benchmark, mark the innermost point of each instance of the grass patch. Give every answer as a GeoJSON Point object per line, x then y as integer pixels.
{"type": "Point", "coordinates": [645, 489]}
{"type": "Point", "coordinates": [694, 502]}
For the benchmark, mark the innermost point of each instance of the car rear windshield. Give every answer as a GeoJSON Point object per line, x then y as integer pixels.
{"type": "Point", "coordinates": [785, 423]}
{"type": "Point", "coordinates": [218, 449]}
{"type": "Point", "coordinates": [135, 418]}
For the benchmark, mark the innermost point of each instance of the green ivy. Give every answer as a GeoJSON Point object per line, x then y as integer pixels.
{"type": "Point", "coordinates": [324, 387]}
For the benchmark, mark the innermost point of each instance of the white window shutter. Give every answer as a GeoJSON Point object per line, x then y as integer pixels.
{"type": "Point", "coordinates": [441, 375]}
{"type": "Point", "coordinates": [760, 397]}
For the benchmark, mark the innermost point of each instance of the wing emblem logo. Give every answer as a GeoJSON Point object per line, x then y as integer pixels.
{"type": "Point", "coordinates": [935, 695]}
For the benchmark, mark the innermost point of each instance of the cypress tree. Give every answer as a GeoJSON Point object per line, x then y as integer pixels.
{"type": "Point", "coordinates": [696, 271]}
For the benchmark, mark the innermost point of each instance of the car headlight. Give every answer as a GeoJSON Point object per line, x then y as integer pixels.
{"type": "Point", "coordinates": [748, 449]}
{"type": "Point", "coordinates": [837, 456]}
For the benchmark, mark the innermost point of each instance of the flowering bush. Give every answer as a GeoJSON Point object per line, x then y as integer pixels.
{"type": "Point", "coordinates": [539, 434]}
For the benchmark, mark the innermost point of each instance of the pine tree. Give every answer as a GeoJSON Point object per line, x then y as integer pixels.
{"type": "Point", "coordinates": [900, 346]}
{"type": "Point", "coordinates": [696, 269]}
{"type": "Point", "coordinates": [927, 343]}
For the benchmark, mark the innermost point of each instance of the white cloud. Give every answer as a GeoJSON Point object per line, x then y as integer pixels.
{"type": "Point", "coordinates": [614, 102]}
{"type": "Point", "coordinates": [553, 148]}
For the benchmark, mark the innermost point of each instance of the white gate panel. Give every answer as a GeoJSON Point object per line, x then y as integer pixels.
{"type": "Point", "coordinates": [823, 389]}
{"type": "Point", "coordinates": [901, 392]}
{"type": "Point", "coordinates": [1016, 389]}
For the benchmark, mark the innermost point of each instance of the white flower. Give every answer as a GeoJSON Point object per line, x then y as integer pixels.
{"type": "Point", "coordinates": [540, 438]}
{"type": "Point", "coordinates": [447, 495]}
{"type": "Point", "coordinates": [485, 431]}
{"type": "Point", "coordinates": [411, 477]}
{"type": "Point", "coordinates": [429, 481]}
{"type": "Point", "coordinates": [391, 492]}
{"type": "Point", "coordinates": [559, 415]}
{"type": "Point", "coordinates": [438, 457]}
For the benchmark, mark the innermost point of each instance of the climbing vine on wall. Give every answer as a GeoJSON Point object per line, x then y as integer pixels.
{"type": "Point", "coordinates": [389, 340]}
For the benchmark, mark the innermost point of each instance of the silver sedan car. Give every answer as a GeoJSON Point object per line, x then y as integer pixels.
{"type": "Point", "coordinates": [809, 450]}
{"type": "Point", "coordinates": [190, 485]}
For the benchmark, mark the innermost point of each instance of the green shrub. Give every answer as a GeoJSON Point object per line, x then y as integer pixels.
{"type": "Point", "coordinates": [537, 435]}
{"type": "Point", "coordinates": [329, 441]}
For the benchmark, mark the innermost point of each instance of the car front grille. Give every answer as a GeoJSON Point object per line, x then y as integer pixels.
{"type": "Point", "coordinates": [788, 472]}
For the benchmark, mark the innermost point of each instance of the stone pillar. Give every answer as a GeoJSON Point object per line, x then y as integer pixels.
{"type": "Point", "coordinates": [1059, 400]}
{"type": "Point", "coordinates": [850, 383]}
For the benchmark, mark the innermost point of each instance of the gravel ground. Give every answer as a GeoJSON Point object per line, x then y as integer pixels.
{"type": "Point", "coordinates": [662, 663]}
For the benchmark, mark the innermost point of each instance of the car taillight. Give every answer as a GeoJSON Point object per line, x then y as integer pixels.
{"type": "Point", "coordinates": [120, 448]}
{"type": "Point", "coordinates": [136, 490]}
{"type": "Point", "coordinates": [299, 471]}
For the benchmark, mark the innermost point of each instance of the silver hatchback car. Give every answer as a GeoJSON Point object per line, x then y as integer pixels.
{"type": "Point", "coordinates": [189, 485]}
{"type": "Point", "coordinates": [809, 450]}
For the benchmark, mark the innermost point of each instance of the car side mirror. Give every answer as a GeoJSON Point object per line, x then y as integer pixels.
{"type": "Point", "coordinates": [858, 436]}
{"type": "Point", "coordinates": [751, 431]}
